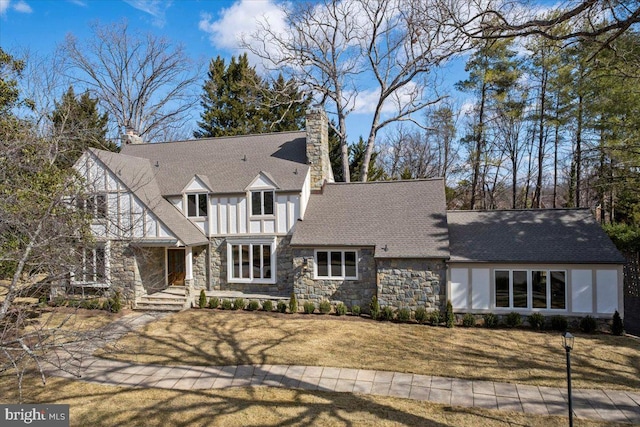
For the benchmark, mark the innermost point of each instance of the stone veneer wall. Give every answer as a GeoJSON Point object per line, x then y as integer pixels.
{"type": "Point", "coordinates": [135, 271]}
{"type": "Point", "coordinates": [349, 292]}
{"type": "Point", "coordinates": [200, 261]}
{"type": "Point", "coordinates": [412, 283]}
{"type": "Point", "coordinates": [317, 125]}
{"type": "Point", "coordinates": [284, 270]}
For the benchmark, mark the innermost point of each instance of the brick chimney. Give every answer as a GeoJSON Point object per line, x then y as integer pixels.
{"type": "Point", "coordinates": [318, 147]}
{"type": "Point", "coordinates": [130, 137]}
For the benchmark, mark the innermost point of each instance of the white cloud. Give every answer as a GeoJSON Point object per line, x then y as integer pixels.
{"type": "Point", "coordinates": [156, 8]}
{"type": "Point", "coordinates": [78, 3]}
{"type": "Point", "coordinates": [21, 6]}
{"type": "Point", "coordinates": [240, 20]}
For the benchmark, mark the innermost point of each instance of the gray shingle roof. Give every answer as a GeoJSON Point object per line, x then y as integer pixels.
{"type": "Point", "coordinates": [408, 218]}
{"type": "Point", "coordinates": [138, 175]}
{"type": "Point", "coordinates": [229, 163]}
{"type": "Point", "coordinates": [530, 236]}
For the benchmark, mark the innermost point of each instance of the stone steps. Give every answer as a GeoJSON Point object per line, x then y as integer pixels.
{"type": "Point", "coordinates": [171, 299]}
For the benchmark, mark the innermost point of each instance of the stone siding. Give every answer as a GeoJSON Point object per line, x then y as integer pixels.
{"type": "Point", "coordinates": [317, 126]}
{"type": "Point", "coordinates": [136, 271]}
{"type": "Point", "coordinates": [411, 283]}
{"type": "Point", "coordinates": [200, 261]}
{"type": "Point", "coordinates": [349, 292]}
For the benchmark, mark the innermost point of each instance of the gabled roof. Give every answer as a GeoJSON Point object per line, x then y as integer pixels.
{"type": "Point", "coordinates": [530, 236]}
{"type": "Point", "coordinates": [401, 219]}
{"type": "Point", "coordinates": [229, 163]}
{"type": "Point", "coordinates": [138, 175]}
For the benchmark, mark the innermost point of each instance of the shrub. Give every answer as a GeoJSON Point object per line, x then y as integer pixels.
{"type": "Point", "coordinates": [617, 327]}
{"type": "Point", "coordinates": [309, 307]}
{"type": "Point", "coordinates": [253, 305]}
{"type": "Point", "coordinates": [386, 313]}
{"type": "Point", "coordinates": [374, 308]}
{"type": "Point", "coordinates": [559, 323]}
{"type": "Point", "coordinates": [214, 302]}
{"type": "Point", "coordinates": [468, 320]}
{"type": "Point", "coordinates": [293, 303]}
{"type": "Point", "coordinates": [42, 301]}
{"type": "Point", "coordinates": [325, 307]}
{"type": "Point", "coordinates": [355, 310]}
{"type": "Point", "coordinates": [434, 318]}
{"type": "Point", "coordinates": [73, 303]}
{"type": "Point", "coordinates": [341, 309]}
{"type": "Point", "coordinates": [450, 318]}
{"type": "Point", "coordinates": [267, 305]}
{"type": "Point", "coordinates": [404, 315]}
{"type": "Point", "coordinates": [226, 304]}
{"type": "Point", "coordinates": [114, 303]}
{"type": "Point", "coordinates": [536, 320]}
{"type": "Point", "coordinates": [490, 320]}
{"type": "Point", "coordinates": [588, 325]}
{"type": "Point", "coordinates": [282, 307]}
{"type": "Point", "coordinates": [420, 315]}
{"type": "Point", "coordinates": [513, 319]}
{"type": "Point", "coordinates": [202, 302]}
{"type": "Point", "coordinates": [238, 304]}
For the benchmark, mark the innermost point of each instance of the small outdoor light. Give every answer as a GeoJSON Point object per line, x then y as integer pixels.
{"type": "Point", "coordinates": [567, 343]}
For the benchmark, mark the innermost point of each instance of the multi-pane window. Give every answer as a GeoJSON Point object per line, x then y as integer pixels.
{"type": "Point", "coordinates": [93, 267]}
{"type": "Point", "coordinates": [262, 202]}
{"type": "Point", "coordinates": [543, 289]}
{"type": "Point", "coordinates": [196, 205]}
{"type": "Point", "coordinates": [336, 264]}
{"type": "Point", "coordinates": [251, 262]}
{"type": "Point", "coordinates": [95, 205]}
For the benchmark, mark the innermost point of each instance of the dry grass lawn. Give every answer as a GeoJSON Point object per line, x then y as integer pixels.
{"type": "Point", "coordinates": [214, 337]}
{"type": "Point", "coordinates": [97, 405]}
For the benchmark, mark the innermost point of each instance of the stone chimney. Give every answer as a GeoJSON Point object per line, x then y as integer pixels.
{"type": "Point", "coordinates": [318, 147]}
{"type": "Point", "coordinates": [130, 137]}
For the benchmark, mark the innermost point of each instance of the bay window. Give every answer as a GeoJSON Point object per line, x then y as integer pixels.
{"type": "Point", "coordinates": [251, 261]}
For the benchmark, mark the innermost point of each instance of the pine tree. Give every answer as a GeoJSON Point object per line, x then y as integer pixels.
{"type": "Point", "coordinates": [237, 101]}
{"type": "Point", "coordinates": [78, 125]}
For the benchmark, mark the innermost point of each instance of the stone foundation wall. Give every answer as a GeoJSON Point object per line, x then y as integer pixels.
{"type": "Point", "coordinates": [349, 292]}
{"type": "Point", "coordinates": [284, 270]}
{"type": "Point", "coordinates": [411, 283]}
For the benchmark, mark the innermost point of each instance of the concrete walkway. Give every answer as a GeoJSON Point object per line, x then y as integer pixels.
{"type": "Point", "coordinates": [619, 406]}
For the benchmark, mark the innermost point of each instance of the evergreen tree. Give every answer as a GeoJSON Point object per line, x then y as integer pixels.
{"type": "Point", "coordinates": [78, 125]}
{"type": "Point", "coordinates": [237, 101]}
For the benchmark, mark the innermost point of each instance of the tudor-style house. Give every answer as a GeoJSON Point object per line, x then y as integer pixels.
{"type": "Point", "coordinates": [260, 215]}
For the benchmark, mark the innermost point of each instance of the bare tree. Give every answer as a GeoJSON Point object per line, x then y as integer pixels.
{"type": "Point", "coordinates": [339, 49]}
{"type": "Point", "coordinates": [516, 18]}
{"type": "Point", "coordinates": [143, 81]}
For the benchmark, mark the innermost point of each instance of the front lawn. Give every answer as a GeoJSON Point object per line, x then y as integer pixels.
{"type": "Point", "coordinates": [215, 337]}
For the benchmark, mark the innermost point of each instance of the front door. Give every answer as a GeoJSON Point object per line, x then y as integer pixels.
{"type": "Point", "coordinates": [175, 267]}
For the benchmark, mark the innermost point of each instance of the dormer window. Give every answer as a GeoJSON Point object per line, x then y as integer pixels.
{"type": "Point", "coordinates": [196, 205]}
{"type": "Point", "coordinates": [262, 202]}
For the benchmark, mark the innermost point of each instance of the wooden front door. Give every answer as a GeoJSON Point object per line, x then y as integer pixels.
{"type": "Point", "coordinates": [176, 267]}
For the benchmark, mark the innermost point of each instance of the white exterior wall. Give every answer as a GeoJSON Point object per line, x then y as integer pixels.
{"type": "Point", "coordinates": [127, 217]}
{"type": "Point", "coordinates": [595, 290]}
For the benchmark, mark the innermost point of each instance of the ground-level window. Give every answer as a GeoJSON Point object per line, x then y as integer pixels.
{"type": "Point", "coordinates": [336, 264]}
{"type": "Point", "coordinates": [251, 261]}
{"type": "Point", "coordinates": [196, 205]}
{"type": "Point", "coordinates": [262, 202]}
{"type": "Point", "coordinates": [543, 289]}
{"type": "Point", "coordinates": [93, 266]}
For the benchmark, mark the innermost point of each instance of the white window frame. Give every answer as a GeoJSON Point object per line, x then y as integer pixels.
{"type": "Point", "coordinates": [197, 199]}
{"type": "Point", "coordinates": [342, 275]}
{"type": "Point", "coordinates": [251, 242]}
{"type": "Point", "coordinates": [89, 270]}
{"type": "Point", "coordinates": [529, 272]}
{"type": "Point", "coordinates": [262, 205]}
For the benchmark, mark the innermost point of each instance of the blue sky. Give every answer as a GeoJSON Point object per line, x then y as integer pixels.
{"type": "Point", "coordinates": [207, 28]}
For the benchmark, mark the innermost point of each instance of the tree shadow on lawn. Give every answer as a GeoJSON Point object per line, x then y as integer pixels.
{"type": "Point", "coordinates": [99, 405]}
{"type": "Point", "coordinates": [216, 340]}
